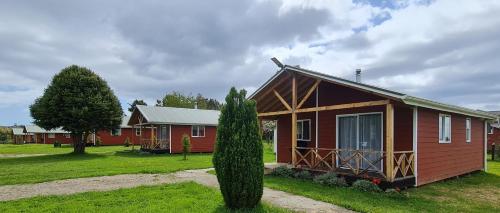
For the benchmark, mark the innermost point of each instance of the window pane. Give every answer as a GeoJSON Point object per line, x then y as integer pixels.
{"type": "Point", "coordinates": [201, 131]}
{"type": "Point", "coordinates": [441, 132]}
{"type": "Point", "coordinates": [306, 130]}
{"type": "Point", "coordinates": [195, 131]}
{"type": "Point", "coordinates": [299, 130]}
{"type": "Point", "coordinates": [448, 128]}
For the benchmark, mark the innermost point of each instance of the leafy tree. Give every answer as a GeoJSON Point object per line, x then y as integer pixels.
{"type": "Point", "coordinates": [238, 152]}
{"type": "Point", "coordinates": [80, 102]}
{"type": "Point", "coordinates": [135, 103]}
{"type": "Point", "coordinates": [186, 145]}
{"type": "Point", "coordinates": [177, 99]}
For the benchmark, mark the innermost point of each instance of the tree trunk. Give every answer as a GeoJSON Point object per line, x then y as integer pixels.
{"type": "Point", "coordinates": [79, 143]}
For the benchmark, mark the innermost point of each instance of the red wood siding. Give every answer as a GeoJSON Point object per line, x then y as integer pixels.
{"type": "Point", "coordinates": [403, 128]}
{"type": "Point", "coordinates": [198, 144]}
{"type": "Point", "coordinates": [494, 138]}
{"type": "Point", "coordinates": [44, 138]}
{"type": "Point", "coordinates": [440, 161]}
{"type": "Point", "coordinates": [108, 139]}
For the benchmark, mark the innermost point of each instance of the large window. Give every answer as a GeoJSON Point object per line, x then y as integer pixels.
{"type": "Point", "coordinates": [67, 135]}
{"type": "Point", "coordinates": [51, 135]}
{"type": "Point", "coordinates": [116, 132]}
{"type": "Point", "coordinates": [444, 128]}
{"type": "Point", "coordinates": [490, 128]}
{"type": "Point", "coordinates": [304, 130]}
{"type": "Point", "coordinates": [468, 130]}
{"type": "Point", "coordinates": [198, 131]}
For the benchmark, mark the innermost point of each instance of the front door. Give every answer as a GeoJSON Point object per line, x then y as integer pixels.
{"type": "Point", "coordinates": [360, 132]}
{"type": "Point", "coordinates": [163, 135]}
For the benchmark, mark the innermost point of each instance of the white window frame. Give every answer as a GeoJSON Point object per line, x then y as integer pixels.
{"type": "Point", "coordinates": [441, 128]}
{"type": "Point", "coordinates": [489, 129]}
{"type": "Point", "coordinates": [302, 133]}
{"type": "Point", "coordinates": [138, 132]}
{"type": "Point", "coordinates": [67, 135]}
{"type": "Point", "coordinates": [51, 135]}
{"type": "Point", "coordinates": [468, 130]}
{"type": "Point", "coordinates": [118, 132]}
{"type": "Point", "coordinates": [198, 131]}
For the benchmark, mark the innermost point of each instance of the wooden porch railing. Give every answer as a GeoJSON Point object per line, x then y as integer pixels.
{"type": "Point", "coordinates": [354, 162]}
{"type": "Point", "coordinates": [154, 144]}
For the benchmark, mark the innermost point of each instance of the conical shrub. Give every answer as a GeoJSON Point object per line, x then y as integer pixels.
{"type": "Point", "coordinates": [238, 152]}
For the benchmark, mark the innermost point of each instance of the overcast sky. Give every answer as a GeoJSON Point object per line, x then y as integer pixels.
{"type": "Point", "coordinates": [447, 50]}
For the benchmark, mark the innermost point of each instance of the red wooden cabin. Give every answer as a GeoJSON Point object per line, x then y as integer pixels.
{"type": "Point", "coordinates": [36, 134]}
{"type": "Point", "coordinates": [119, 135]}
{"type": "Point", "coordinates": [494, 131]}
{"type": "Point", "coordinates": [167, 125]}
{"type": "Point", "coordinates": [326, 123]}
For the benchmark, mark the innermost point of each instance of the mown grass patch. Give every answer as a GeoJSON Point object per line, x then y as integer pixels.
{"type": "Point", "coordinates": [182, 197]}
{"type": "Point", "coordinates": [479, 192]}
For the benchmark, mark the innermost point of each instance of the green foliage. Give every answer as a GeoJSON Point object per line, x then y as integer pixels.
{"type": "Point", "coordinates": [330, 179]}
{"type": "Point", "coordinates": [5, 135]}
{"type": "Point", "coordinates": [304, 175]}
{"type": "Point", "coordinates": [135, 103]}
{"type": "Point", "coordinates": [98, 141]}
{"type": "Point", "coordinates": [57, 144]}
{"type": "Point", "coordinates": [127, 142]}
{"type": "Point", "coordinates": [79, 101]}
{"type": "Point", "coordinates": [180, 198]}
{"type": "Point", "coordinates": [282, 171]}
{"type": "Point", "coordinates": [366, 186]}
{"type": "Point", "coordinates": [177, 99]}
{"type": "Point", "coordinates": [186, 145]}
{"type": "Point", "coordinates": [238, 156]}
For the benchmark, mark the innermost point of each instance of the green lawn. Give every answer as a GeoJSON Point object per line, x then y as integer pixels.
{"type": "Point", "coordinates": [99, 161]}
{"type": "Point", "coordinates": [49, 149]}
{"type": "Point", "coordinates": [478, 192]}
{"type": "Point", "coordinates": [183, 197]}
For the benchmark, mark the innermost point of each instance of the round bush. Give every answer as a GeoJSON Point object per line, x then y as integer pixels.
{"type": "Point", "coordinates": [367, 186]}
{"type": "Point", "coordinates": [330, 179]}
{"type": "Point", "coordinates": [305, 175]}
{"type": "Point", "coordinates": [282, 171]}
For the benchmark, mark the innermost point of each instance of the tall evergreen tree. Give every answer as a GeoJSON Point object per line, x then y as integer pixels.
{"type": "Point", "coordinates": [238, 152]}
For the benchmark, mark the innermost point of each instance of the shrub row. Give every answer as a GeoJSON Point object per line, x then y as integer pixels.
{"type": "Point", "coordinates": [331, 179]}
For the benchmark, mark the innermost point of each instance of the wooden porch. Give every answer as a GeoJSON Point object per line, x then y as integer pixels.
{"type": "Point", "coordinates": [295, 94]}
{"type": "Point", "coordinates": [356, 162]}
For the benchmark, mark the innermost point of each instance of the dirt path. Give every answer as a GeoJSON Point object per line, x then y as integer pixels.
{"type": "Point", "coordinates": [107, 183]}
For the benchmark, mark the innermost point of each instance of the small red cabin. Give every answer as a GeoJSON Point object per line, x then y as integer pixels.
{"type": "Point", "coordinates": [325, 123]}
{"type": "Point", "coordinates": [167, 125]}
{"type": "Point", "coordinates": [119, 135]}
{"type": "Point", "coordinates": [36, 134]}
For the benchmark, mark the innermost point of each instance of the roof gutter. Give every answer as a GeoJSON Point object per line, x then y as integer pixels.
{"type": "Point", "coordinates": [410, 100]}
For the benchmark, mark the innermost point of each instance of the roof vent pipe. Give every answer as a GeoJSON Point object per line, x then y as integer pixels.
{"type": "Point", "coordinates": [358, 75]}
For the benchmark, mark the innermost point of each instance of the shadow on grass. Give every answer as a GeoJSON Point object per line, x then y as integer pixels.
{"type": "Point", "coordinates": [259, 208]}
{"type": "Point", "coordinates": [52, 158]}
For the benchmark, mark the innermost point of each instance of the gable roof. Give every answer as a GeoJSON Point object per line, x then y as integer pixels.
{"type": "Point", "coordinates": [17, 130]}
{"type": "Point", "coordinates": [180, 116]}
{"type": "Point", "coordinates": [407, 99]}
{"type": "Point", "coordinates": [37, 129]}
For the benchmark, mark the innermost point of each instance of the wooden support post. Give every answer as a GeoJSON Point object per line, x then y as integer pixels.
{"type": "Point", "coordinates": [294, 121]}
{"type": "Point", "coordinates": [389, 142]}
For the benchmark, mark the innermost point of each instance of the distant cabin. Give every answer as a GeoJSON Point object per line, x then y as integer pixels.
{"type": "Point", "coordinates": [164, 127]}
{"type": "Point", "coordinates": [326, 123]}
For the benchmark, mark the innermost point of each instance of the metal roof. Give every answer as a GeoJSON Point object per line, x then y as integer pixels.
{"type": "Point", "coordinates": [125, 120]}
{"type": "Point", "coordinates": [407, 99]}
{"type": "Point", "coordinates": [18, 131]}
{"type": "Point", "coordinates": [181, 116]}
{"type": "Point", "coordinates": [37, 129]}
